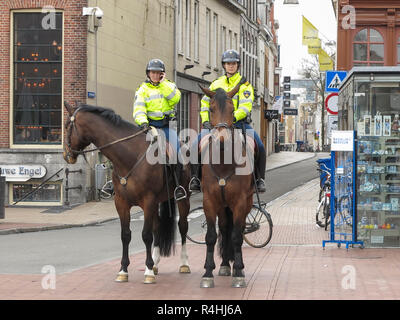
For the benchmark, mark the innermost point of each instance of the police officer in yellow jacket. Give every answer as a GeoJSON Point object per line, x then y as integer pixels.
{"type": "Point", "coordinates": [243, 102]}
{"type": "Point", "coordinates": [154, 104]}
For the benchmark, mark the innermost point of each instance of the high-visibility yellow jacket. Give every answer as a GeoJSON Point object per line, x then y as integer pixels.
{"type": "Point", "coordinates": [242, 101]}
{"type": "Point", "coordinates": [155, 101]}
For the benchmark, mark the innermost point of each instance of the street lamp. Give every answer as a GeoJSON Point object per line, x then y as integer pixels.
{"type": "Point", "coordinates": [290, 2]}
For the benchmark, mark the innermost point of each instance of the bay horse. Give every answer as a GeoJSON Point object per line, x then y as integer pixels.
{"type": "Point", "coordinates": [136, 182]}
{"type": "Point", "coordinates": [226, 195]}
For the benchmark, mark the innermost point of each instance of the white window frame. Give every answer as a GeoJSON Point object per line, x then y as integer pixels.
{"type": "Point", "coordinates": [196, 31]}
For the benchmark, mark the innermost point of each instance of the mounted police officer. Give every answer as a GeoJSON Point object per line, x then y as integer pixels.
{"type": "Point", "coordinates": [243, 102]}
{"type": "Point", "coordinates": [154, 104]}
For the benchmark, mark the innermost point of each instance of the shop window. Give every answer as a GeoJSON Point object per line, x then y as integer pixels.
{"type": "Point", "coordinates": [50, 193]}
{"type": "Point", "coordinates": [37, 80]}
{"type": "Point", "coordinates": [183, 110]}
{"type": "Point", "coordinates": [398, 51]}
{"type": "Point", "coordinates": [368, 48]}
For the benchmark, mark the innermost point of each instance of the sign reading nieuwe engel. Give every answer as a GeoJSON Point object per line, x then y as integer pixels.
{"type": "Point", "coordinates": [342, 140]}
{"type": "Point", "coordinates": [23, 172]}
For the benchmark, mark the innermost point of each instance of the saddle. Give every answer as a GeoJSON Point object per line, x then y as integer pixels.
{"type": "Point", "coordinates": [170, 150]}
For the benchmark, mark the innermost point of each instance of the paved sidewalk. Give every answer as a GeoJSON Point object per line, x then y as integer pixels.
{"type": "Point", "coordinates": [19, 219]}
{"type": "Point", "coordinates": [292, 266]}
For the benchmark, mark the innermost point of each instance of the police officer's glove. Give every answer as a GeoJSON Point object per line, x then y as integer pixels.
{"type": "Point", "coordinates": [234, 120]}
{"type": "Point", "coordinates": [144, 126]}
{"type": "Point", "coordinates": [207, 125]}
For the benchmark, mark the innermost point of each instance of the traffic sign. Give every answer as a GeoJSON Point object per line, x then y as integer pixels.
{"type": "Point", "coordinates": [331, 103]}
{"type": "Point", "coordinates": [333, 80]}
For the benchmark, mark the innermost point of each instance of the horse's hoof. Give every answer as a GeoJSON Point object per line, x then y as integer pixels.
{"type": "Point", "coordinates": [155, 270]}
{"type": "Point", "coordinates": [122, 277]}
{"type": "Point", "coordinates": [207, 283]}
{"type": "Point", "coordinates": [238, 282]}
{"type": "Point", "coordinates": [149, 279]}
{"type": "Point", "coordinates": [224, 271]}
{"type": "Point", "coordinates": [184, 269]}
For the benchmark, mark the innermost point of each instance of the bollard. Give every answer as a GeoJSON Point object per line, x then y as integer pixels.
{"type": "Point", "coordinates": [2, 196]}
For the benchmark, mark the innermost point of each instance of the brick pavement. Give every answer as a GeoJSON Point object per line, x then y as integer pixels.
{"type": "Point", "coordinates": [292, 266]}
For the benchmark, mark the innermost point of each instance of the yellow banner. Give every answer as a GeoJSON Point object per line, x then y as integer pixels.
{"type": "Point", "coordinates": [325, 61]}
{"type": "Point", "coordinates": [314, 47]}
{"type": "Point", "coordinates": [310, 33]}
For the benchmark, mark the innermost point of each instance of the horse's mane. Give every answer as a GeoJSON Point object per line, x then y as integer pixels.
{"type": "Point", "coordinates": [107, 114]}
{"type": "Point", "coordinates": [221, 97]}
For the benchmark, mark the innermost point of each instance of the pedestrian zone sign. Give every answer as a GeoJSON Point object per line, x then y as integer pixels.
{"type": "Point", "coordinates": [333, 80]}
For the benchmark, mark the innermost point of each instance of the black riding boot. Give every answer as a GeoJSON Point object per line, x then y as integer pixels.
{"type": "Point", "coordinates": [261, 161]}
{"type": "Point", "coordinates": [195, 183]}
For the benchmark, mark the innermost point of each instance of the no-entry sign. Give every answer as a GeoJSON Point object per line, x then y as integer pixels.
{"type": "Point", "coordinates": [331, 103]}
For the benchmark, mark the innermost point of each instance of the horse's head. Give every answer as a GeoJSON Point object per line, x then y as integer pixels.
{"type": "Point", "coordinates": [221, 110]}
{"type": "Point", "coordinates": [75, 139]}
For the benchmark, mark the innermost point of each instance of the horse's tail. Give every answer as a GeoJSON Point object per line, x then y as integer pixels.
{"type": "Point", "coordinates": [228, 236]}
{"type": "Point", "coordinates": [167, 227]}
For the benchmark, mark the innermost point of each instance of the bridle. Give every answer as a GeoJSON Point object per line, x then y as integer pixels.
{"type": "Point", "coordinates": [72, 126]}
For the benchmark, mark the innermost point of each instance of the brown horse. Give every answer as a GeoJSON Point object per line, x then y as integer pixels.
{"type": "Point", "coordinates": [134, 179]}
{"type": "Point", "coordinates": [227, 195]}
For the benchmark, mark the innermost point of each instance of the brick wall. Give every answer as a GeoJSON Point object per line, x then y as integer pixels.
{"type": "Point", "coordinates": [75, 53]}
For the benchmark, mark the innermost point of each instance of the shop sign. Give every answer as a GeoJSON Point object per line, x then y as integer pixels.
{"type": "Point", "coordinates": [342, 140]}
{"type": "Point", "coordinates": [23, 172]}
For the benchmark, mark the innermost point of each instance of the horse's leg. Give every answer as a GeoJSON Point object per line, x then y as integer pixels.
{"type": "Point", "coordinates": [150, 209]}
{"type": "Point", "coordinates": [226, 250]}
{"type": "Point", "coordinates": [207, 280]}
{"type": "Point", "coordinates": [184, 207]}
{"type": "Point", "coordinates": [240, 212]}
{"type": "Point", "coordinates": [124, 216]}
{"type": "Point", "coordinates": [156, 245]}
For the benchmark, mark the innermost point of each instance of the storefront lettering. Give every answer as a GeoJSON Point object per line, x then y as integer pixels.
{"type": "Point", "coordinates": [22, 172]}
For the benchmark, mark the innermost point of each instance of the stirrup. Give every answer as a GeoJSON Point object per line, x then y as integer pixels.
{"type": "Point", "coordinates": [177, 189]}
{"type": "Point", "coordinates": [194, 178]}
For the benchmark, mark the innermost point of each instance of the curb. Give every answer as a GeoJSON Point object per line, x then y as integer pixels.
{"type": "Point", "coordinates": [288, 164]}
{"type": "Point", "coordinates": [55, 227]}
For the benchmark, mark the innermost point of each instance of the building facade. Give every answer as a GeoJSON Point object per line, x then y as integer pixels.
{"type": "Point", "coordinates": [368, 33]}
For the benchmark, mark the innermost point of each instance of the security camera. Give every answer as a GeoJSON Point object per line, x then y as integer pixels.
{"type": "Point", "coordinates": [98, 13]}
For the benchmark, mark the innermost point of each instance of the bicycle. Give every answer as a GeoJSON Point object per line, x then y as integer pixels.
{"type": "Point", "coordinates": [257, 232]}
{"type": "Point", "coordinates": [322, 216]}
{"type": "Point", "coordinates": [107, 191]}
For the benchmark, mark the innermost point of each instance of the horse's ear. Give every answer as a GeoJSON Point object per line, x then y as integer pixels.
{"type": "Point", "coordinates": [235, 90]}
{"type": "Point", "coordinates": [207, 92]}
{"type": "Point", "coordinates": [69, 108]}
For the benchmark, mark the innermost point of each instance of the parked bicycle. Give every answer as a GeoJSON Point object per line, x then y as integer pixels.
{"type": "Point", "coordinates": [323, 209]}
{"type": "Point", "coordinates": [257, 232]}
{"type": "Point", "coordinates": [107, 191]}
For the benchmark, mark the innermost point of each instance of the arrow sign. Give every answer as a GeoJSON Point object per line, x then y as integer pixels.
{"type": "Point", "coordinates": [334, 79]}
{"type": "Point", "coordinates": [331, 103]}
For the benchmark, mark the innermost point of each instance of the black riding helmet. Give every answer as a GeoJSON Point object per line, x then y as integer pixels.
{"type": "Point", "coordinates": [231, 55]}
{"type": "Point", "coordinates": [155, 65]}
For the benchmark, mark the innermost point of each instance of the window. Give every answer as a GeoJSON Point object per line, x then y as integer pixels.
{"type": "Point", "coordinates": [196, 30]}
{"type": "Point", "coordinates": [230, 40]}
{"type": "Point", "coordinates": [188, 30]}
{"type": "Point", "coordinates": [235, 41]}
{"type": "Point", "coordinates": [180, 27]}
{"type": "Point", "coordinates": [223, 39]}
{"type": "Point", "coordinates": [398, 51]}
{"type": "Point", "coordinates": [215, 41]}
{"type": "Point", "coordinates": [183, 110]}
{"type": "Point", "coordinates": [49, 193]}
{"type": "Point", "coordinates": [208, 36]}
{"type": "Point", "coordinates": [368, 48]}
{"type": "Point", "coordinates": [37, 80]}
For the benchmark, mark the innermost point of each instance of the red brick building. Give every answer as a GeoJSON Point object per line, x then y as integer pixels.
{"type": "Point", "coordinates": [43, 61]}
{"type": "Point", "coordinates": [374, 37]}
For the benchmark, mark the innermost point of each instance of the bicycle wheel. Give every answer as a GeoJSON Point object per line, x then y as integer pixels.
{"type": "Point", "coordinates": [327, 214]}
{"type": "Point", "coordinates": [345, 210]}
{"type": "Point", "coordinates": [320, 215]}
{"type": "Point", "coordinates": [107, 191]}
{"type": "Point", "coordinates": [258, 230]}
{"type": "Point", "coordinates": [197, 226]}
